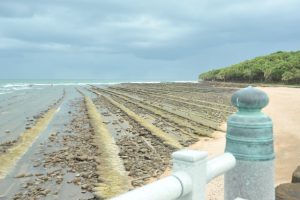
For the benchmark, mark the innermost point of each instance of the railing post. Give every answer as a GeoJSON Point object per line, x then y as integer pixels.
{"type": "Point", "coordinates": [250, 139]}
{"type": "Point", "coordinates": [193, 163]}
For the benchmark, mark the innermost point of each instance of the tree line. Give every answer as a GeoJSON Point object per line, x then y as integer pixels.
{"type": "Point", "coordinates": [279, 67]}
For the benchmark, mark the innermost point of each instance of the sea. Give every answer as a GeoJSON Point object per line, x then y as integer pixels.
{"type": "Point", "coordinates": [10, 86]}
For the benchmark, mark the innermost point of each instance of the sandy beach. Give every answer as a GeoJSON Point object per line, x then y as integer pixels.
{"type": "Point", "coordinates": [66, 142]}
{"type": "Point", "coordinates": [284, 110]}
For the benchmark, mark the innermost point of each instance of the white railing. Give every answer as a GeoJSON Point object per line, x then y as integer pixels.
{"type": "Point", "coordinates": [191, 172]}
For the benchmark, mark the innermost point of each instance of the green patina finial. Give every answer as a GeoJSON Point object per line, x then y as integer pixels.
{"type": "Point", "coordinates": [249, 131]}
{"type": "Point", "coordinates": [250, 98]}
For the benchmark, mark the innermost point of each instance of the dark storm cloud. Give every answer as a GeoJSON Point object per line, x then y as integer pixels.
{"type": "Point", "coordinates": [145, 39]}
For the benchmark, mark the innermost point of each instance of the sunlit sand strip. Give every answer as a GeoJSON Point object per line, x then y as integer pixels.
{"type": "Point", "coordinates": [167, 93]}
{"type": "Point", "coordinates": [184, 100]}
{"type": "Point", "coordinates": [165, 137]}
{"type": "Point", "coordinates": [188, 115]}
{"type": "Point", "coordinates": [10, 158]}
{"type": "Point", "coordinates": [111, 169]}
{"type": "Point", "coordinates": [173, 118]}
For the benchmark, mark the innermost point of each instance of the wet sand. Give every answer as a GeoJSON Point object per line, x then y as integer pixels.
{"type": "Point", "coordinates": [147, 123]}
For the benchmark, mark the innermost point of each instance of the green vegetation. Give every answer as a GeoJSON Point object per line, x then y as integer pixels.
{"type": "Point", "coordinates": [279, 67]}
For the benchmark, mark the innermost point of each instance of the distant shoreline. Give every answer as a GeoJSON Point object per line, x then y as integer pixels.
{"type": "Point", "coordinates": [256, 84]}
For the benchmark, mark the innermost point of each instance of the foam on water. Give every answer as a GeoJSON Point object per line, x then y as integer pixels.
{"type": "Point", "coordinates": [9, 86]}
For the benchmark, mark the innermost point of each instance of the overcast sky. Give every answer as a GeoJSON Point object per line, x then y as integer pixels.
{"type": "Point", "coordinates": [139, 40]}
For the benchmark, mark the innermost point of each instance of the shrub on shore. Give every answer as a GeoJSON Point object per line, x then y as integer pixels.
{"type": "Point", "coordinates": [279, 67]}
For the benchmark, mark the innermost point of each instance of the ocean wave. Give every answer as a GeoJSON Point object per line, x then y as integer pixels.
{"type": "Point", "coordinates": [9, 87]}
{"type": "Point", "coordinates": [5, 92]}
{"type": "Point", "coordinates": [72, 84]}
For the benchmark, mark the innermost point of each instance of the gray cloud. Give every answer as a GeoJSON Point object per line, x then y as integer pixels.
{"type": "Point", "coordinates": [155, 39]}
